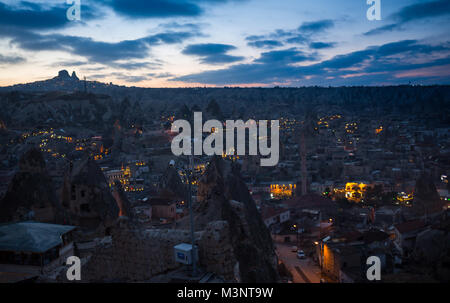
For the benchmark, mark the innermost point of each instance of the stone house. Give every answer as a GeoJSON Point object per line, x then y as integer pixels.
{"type": "Point", "coordinates": [163, 208]}
{"type": "Point", "coordinates": [405, 235]}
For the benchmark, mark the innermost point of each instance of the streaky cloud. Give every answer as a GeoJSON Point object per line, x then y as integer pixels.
{"type": "Point", "coordinates": [411, 13]}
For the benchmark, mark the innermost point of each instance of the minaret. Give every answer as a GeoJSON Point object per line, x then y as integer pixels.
{"type": "Point", "coordinates": [306, 135]}
{"type": "Point", "coordinates": [303, 160]}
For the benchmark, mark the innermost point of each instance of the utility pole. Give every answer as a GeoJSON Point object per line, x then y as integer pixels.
{"type": "Point", "coordinates": [303, 160]}
{"type": "Point", "coordinates": [191, 215]}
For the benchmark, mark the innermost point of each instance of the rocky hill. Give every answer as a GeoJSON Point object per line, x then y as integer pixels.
{"type": "Point", "coordinates": [56, 108]}
{"type": "Point", "coordinates": [235, 102]}
{"type": "Point", "coordinates": [62, 82]}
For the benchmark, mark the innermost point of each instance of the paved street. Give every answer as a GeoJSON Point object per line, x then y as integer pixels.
{"type": "Point", "coordinates": [303, 271]}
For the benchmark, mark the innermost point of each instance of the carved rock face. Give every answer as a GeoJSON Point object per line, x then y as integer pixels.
{"type": "Point", "coordinates": [30, 194]}
{"type": "Point", "coordinates": [87, 197]}
{"type": "Point", "coordinates": [32, 161]}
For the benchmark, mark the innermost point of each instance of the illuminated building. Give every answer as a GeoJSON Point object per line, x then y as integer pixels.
{"type": "Point", "coordinates": [355, 191]}
{"type": "Point", "coordinates": [405, 198]}
{"type": "Point", "coordinates": [125, 177]}
{"type": "Point", "coordinates": [281, 191]}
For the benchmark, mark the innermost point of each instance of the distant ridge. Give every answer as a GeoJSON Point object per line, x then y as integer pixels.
{"type": "Point", "coordinates": [62, 82]}
{"type": "Point", "coordinates": [71, 83]}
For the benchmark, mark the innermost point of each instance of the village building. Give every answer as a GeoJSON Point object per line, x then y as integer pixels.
{"type": "Point", "coordinates": [29, 249]}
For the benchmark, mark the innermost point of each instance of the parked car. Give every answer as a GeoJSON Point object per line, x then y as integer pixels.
{"type": "Point", "coordinates": [294, 248]}
{"type": "Point", "coordinates": [301, 254]}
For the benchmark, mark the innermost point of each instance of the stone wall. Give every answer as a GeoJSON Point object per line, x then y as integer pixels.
{"type": "Point", "coordinates": [138, 254]}
{"type": "Point", "coordinates": [215, 250]}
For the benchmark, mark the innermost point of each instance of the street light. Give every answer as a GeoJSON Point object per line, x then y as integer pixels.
{"type": "Point", "coordinates": [191, 215]}
{"type": "Point", "coordinates": [189, 173]}
{"type": "Point", "coordinates": [296, 232]}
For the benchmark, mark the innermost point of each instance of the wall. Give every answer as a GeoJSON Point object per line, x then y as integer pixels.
{"type": "Point", "coordinates": [138, 255]}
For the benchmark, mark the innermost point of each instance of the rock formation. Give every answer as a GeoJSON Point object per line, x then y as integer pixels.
{"type": "Point", "coordinates": [74, 76]}
{"type": "Point", "coordinates": [87, 197]}
{"type": "Point", "coordinates": [64, 75]}
{"type": "Point", "coordinates": [171, 181]}
{"type": "Point", "coordinates": [31, 195]}
{"type": "Point", "coordinates": [223, 196]}
{"type": "Point", "coordinates": [432, 250]}
{"type": "Point", "coordinates": [426, 197]}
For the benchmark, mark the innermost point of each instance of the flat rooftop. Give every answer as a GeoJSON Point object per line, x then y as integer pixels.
{"type": "Point", "coordinates": [31, 236]}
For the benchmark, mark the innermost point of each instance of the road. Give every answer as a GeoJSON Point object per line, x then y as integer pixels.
{"type": "Point", "coordinates": [302, 270]}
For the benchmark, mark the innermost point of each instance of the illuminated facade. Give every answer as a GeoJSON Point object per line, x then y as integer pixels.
{"type": "Point", "coordinates": [282, 191]}
{"type": "Point", "coordinates": [126, 179]}
{"type": "Point", "coordinates": [405, 198]}
{"type": "Point", "coordinates": [355, 192]}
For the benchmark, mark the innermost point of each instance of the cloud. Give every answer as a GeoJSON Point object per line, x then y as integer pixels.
{"type": "Point", "coordinates": [413, 12]}
{"type": "Point", "coordinates": [170, 37]}
{"type": "Point", "coordinates": [383, 29]}
{"type": "Point", "coordinates": [130, 65]}
{"type": "Point", "coordinates": [29, 15]}
{"type": "Point", "coordinates": [161, 8]}
{"type": "Point", "coordinates": [163, 75]}
{"type": "Point", "coordinates": [155, 8]}
{"type": "Point", "coordinates": [369, 65]}
{"type": "Point", "coordinates": [197, 27]}
{"type": "Point", "coordinates": [131, 78]}
{"type": "Point", "coordinates": [270, 66]}
{"type": "Point", "coordinates": [298, 39]}
{"type": "Point", "coordinates": [265, 43]}
{"type": "Point", "coordinates": [108, 53]}
{"type": "Point", "coordinates": [255, 37]}
{"type": "Point", "coordinates": [347, 60]}
{"type": "Point", "coordinates": [121, 76]}
{"type": "Point", "coordinates": [316, 26]}
{"type": "Point", "coordinates": [321, 45]}
{"type": "Point", "coordinates": [69, 63]}
{"type": "Point", "coordinates": [287, 56]}
{"type": "Point", "coordinates": [212, 53]}
{"type": "Point", "coordinates": [11, 59]}
{"type": "Point", "coordinates": [301, 35]}
{"type": "Point", "coordinates": [423, 10]}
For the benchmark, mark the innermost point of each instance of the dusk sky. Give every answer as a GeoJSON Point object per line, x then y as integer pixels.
{"type": "Point", "coordinates": [184, 43]}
